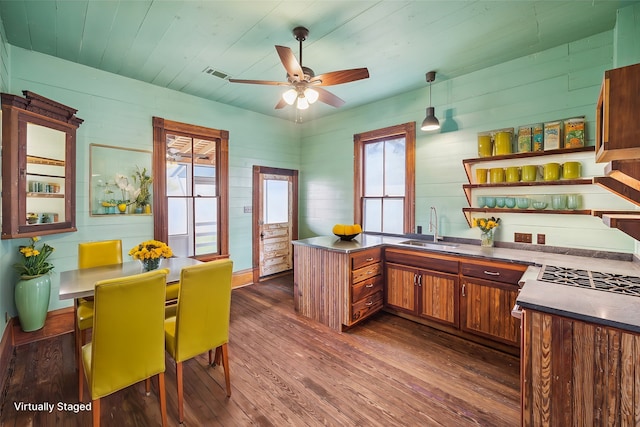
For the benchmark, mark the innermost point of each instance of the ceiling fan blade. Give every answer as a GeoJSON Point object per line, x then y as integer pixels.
{"type": "Point", "coordinates": [259, 82]}
{"type": "Point", "coordinates": [281, 104]}
{"type": "Point", "coordinates": [340, 77]}
{"type": "Point", "coordinates": [328, 98]}
{"type": "Point", "coordinates": [290, 63]}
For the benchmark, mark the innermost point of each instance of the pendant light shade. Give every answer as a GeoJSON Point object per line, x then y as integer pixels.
{"type": "Point", "coordinates": [431, 121]}
{"type": "Point", "coordinates": [290, 96]}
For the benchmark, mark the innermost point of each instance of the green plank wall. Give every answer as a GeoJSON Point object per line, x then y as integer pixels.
{"type": "Point", "coordinates": [627, 36]}
{"type": "Point", "coordinates": [118, 111]}
{"type": "Point", "coordinates": [558, 83]}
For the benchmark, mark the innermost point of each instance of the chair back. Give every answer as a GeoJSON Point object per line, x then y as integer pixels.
{"type": "Point", "coordinates": [128, 331]}
{"type": "Point", "coordinates": [204, 304]}
{"type": "Point", "coordinates": [98, 254]}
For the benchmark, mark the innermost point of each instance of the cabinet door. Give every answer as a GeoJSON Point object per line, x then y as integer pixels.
{"type": "Point", "coordinates": [438, 297]}
{"type": "Point", "coordinates": [486, 310]}
{"type": "Point", "coordinates": [401, 287]}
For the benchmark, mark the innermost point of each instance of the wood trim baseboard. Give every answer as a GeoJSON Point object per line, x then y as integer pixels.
{"type": "Point", "coordinates": [6, 352]}
{"type": "Point", "coordinates": [242, 278]}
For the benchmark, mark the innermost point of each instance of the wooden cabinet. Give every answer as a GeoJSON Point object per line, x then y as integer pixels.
{"type": "Point", "coordinates": [578, 373]}
{"type": "Point", "coordinates": [366, 285]}
{"type": "Point", "coordinates": [488, 292]}
{"type": "Point", "coordinates": [38, 166]}
{"type": "Point", "coordinates": [617, 125]}
{"type": "Point", "coordinates": [335, 288]}
{"type": "Point", "coordinates": [422, 284]}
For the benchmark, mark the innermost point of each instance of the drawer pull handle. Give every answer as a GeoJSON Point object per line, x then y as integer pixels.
{"type": "Point", "coordinates": [492, 273]}
{"type": "Point", "coordinates": [370, 285]}
{"type": "Point", "coordinates": [464, 288]}
{"type": "Point", "coordinates": [369, 259]}
{"type": "Point", "coordinates": [370, 272]}
{"type": "Point", "coordinates": [369, 304]}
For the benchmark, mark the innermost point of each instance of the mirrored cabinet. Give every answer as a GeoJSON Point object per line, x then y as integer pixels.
{"type": "Point", "coordinates": [38, 166]}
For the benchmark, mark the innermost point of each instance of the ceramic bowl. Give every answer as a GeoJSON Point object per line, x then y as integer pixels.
{"type": "Point", "coordinates": [539, 205]}
{"type": "Point", "coordinates": [490, 201]}
{"type": "Point", "coordinates": [522, 202]}
{"type": "Point", "coordinates": [500, 202]}
{"type": "Point", "coordinates": [482, 201]}
{"type": "Point", "coordinates": [510, 202]}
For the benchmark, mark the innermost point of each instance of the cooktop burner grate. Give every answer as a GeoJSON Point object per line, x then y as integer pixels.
{"type": "Point", "coordinates": [617, 283]}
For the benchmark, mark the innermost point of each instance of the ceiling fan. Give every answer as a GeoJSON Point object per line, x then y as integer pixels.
{"type": "Point", "coordinates": [305, 85]}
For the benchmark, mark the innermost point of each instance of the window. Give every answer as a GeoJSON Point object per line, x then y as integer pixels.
{"type": "Point", "coordinates": [385, 179]}
{"type": "Point", "coordinates": [191, 181]}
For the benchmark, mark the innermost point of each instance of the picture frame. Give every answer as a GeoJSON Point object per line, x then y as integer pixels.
{"type": "Point", "coordinates": [114, 180]}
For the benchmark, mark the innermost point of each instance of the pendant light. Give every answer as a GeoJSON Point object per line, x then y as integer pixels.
{"type": "Point", "coordinates": [430, 122]}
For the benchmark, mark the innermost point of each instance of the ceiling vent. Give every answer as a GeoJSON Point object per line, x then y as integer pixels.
{"type": "Point", "coordinates": [216, 73]}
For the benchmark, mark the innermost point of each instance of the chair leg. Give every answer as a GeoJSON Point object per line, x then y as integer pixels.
{"type": "Point", "coordinates": [225, 365]}
{"type": "Point", "coordinates": [147, 386]}
{"type": "Point", "coordinates": [80, 379]}
{"type": "Point", "coordinates": [76, 332]}
{"type": "Point", "coordinates": [210, 357]}
{"type": "Point", "coordinates": [163, 398]}
{"type": "Point", "coordinates": [217, 360]}
{"type": "Point", "coordinates": [95, 412]}
{"type": "Point", "coordinates": [180, 392]}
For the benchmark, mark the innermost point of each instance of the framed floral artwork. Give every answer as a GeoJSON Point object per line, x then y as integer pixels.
{"type": "Point", "coordinates": [120, 181]}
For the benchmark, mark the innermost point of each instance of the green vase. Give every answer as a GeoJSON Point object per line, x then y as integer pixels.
{"type": "Point", "coordinates": [32, 301]}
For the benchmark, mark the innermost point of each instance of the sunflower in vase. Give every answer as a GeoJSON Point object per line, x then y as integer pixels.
{"type": "Point", "coordinates": [487, 227]}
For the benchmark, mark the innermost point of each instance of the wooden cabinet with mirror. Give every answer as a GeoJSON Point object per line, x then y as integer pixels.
{"type": "Point", "coordinates": [38, 166]}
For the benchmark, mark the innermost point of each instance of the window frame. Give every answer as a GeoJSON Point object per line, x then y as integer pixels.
{"type": "Point", "coordinates": [162, 127]}
{"type": "Point", "coordinates": [406, 131]}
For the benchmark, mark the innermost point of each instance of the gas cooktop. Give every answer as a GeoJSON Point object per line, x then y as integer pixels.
{"type": "Point", "coordinates": [617, 283]}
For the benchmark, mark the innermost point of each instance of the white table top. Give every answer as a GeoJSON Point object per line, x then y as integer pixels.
{"type": "Point", "coordinates": [81, 282]}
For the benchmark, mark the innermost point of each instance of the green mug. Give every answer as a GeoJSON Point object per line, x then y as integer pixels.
{"type": "Point", "coordinates": [571, 170]}
{"type": "Point", "coordinates": [551, 171]}
{"type": "Point", "coordinates": [529, 173]}
{"type": "Point", "coordinates": [512, 174]}
{"type": "Point", "coordinates": [496, 175]}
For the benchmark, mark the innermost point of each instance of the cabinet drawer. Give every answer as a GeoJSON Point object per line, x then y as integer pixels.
{"type": "Point", "coordinates": [366, 287]}
{"type": "Point", "coordinates": [366, 306]}
{"type": "Point", "coordinates": [494, 271]}
{"type": "Point", "coordinates": [363, 258]}
{"type": "Point", "coordinates": [366, 272]}
{"type": "Point", "coordinates": [423, 260]}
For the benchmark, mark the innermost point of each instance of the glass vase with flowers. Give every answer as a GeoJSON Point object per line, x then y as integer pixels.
{"type": "Point", "coordinates": [143, 193]}
{"type": "Point", "coordinates": [487, 228]}
{"type": "Point", "coordinates": [151, 253]}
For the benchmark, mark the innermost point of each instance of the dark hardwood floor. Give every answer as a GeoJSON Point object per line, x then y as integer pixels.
{"type": "Point", "coordinates": [287, 370]}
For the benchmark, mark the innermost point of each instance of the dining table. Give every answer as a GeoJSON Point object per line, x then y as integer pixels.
{"type": "Point", "coordinates": [81, 282]}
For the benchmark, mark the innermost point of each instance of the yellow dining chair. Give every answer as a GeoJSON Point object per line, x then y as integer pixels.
{"type": "Point", "coordinates": [200, 320]}
{"type": "Point", "coordinates": [125, 349]}
{"type": "Point", "coordinates": [92, 254]}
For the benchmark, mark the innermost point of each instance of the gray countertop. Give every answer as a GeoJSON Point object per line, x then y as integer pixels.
{"type": "Point", "coordinates": [602, 307]}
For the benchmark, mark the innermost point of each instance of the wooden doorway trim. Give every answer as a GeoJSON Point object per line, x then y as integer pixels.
{"type": "Point", "coordinates": [255, 238]}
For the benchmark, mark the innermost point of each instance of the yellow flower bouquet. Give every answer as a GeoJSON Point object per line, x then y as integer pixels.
{"type": "Point", "coordinates": [34, 261]}
{"type": "Point", "coordinates": [487, 227]}
{"type": "Point", "coordinates": [150, 253]}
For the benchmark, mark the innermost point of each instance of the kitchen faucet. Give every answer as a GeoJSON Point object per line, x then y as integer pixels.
{"type": "Point", "coordinates": [433, 225]}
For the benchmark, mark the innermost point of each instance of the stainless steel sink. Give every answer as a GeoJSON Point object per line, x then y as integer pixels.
{"type": "Point", "coordinates": [430, 245]}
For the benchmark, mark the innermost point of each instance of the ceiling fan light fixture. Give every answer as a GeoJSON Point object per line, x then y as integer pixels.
{"type": "Point", "coordinates": [311, 95]}
{"type": "Point", "coordinates": [302, 104]}
{"type": "Point", "coordinates": [290, 96]}
{"type": "Point", "coordinates": [431, 121]}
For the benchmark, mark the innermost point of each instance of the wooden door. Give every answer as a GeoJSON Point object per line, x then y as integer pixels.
{"type": "Point", "coordinates": [485, 309]}
{"type": "Point", "coordinates": [276, 220]}
{"type": "Point", "coordinates": [402, 283]}
{"type": "Point", "coordinates": [439, 297]}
